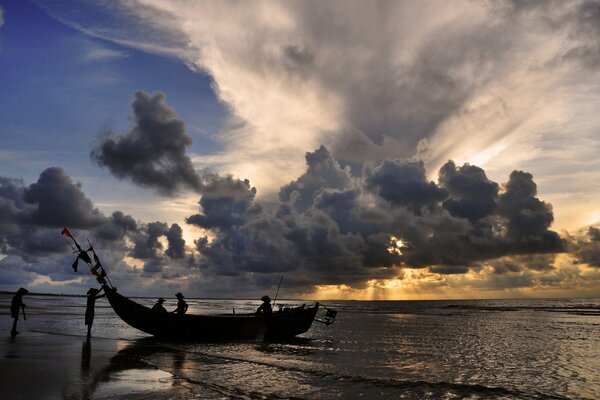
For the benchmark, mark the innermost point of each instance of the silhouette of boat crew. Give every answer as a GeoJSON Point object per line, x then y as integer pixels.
{"type": "Point", "coordinates": [15, 306]}
{"type": "Point", "coordinates": [92, 296]}
{"type": "Point", "coordinates": [159, 306]}
{"type": "Point", "coordinates": [182, 306]}
{"type": "Point", "coordinates": [265, 308]}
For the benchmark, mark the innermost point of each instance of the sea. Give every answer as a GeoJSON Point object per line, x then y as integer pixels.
{"type": "Point", "coordinates": [467, 349]}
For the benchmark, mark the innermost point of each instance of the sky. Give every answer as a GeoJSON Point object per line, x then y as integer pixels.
{"type": "Point", "coordinates": [363, 150]}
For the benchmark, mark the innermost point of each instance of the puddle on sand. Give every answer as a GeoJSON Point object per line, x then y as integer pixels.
{"type": "Point", "coordinates": [134, 381]}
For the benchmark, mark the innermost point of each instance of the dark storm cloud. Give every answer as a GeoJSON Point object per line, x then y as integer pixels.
{"type": "Point", "coordinates": [59, 202]}
{"type": "Point", "coordinates": [528, 217]}
{"type": "Point", "coordinates": [224, 202]}
{"type": "Point", "coordinates": [149, 248]}
{"type": "Point", "coordinates": [403, 183]}
{"type": "Point", "coordinates": [587, 250]}
{"type": "Point", "coordinates": [323, 172]}
{"type": "Point", "coordinates": [449, 269]}
{"type": "Point", "coordinates": [176, 248]}
{"type": "Point", "coordinates": [30, 233]}
{"type": "Point", "coordinates": [472, 194]}
{"type": "Point", "coordinates": [117, 227]}
{"type": "Point", "coordinates": [32, 215]}
{"type": "Point", "coordinates": [153, 153]}
{"type": "Point", "coordinates": [594, 234]}
{"type": "Point", "coordinates": [332, 227]}
{"type": "Point", "coordinates": [147, 245]}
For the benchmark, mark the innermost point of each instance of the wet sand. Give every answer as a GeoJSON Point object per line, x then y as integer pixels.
{"type": "Point", "coordinates": [38, 365]}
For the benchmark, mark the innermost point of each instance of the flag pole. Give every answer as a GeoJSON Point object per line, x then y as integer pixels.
{"type": "Point", "coordinates": [101, 266]}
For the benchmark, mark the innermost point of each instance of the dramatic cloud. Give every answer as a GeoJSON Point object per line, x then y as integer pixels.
{"type": "Point", "coordinates": [392, 90]}
{"type": "Point", "coordinates": [332, 227]}
{"type": "Point", "coordinates": [32, 250]}
{"type": "Point", "coordinates": [59, 202]}
{"type": "Point", "coordinates": [587, 250]}
{"type": "Point", "coordinates": [153, 153]}
{"type": "Point", "coordinates": [328, 227]}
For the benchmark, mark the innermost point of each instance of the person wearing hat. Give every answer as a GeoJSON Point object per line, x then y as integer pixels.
{"type": "Point", "coordinates": [92, 296]}
{"type": "Point", "coordinates": [181, 304]}
{"type": "Point", "coordinates": [159, 306]}
{"type": "Point", "coordinates": [15, 307]}
{"type": "Point", "coordinates": [265, 308]}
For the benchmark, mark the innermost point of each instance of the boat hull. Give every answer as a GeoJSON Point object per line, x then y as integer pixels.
{"type": "Point", "coordinates": [279, 325]}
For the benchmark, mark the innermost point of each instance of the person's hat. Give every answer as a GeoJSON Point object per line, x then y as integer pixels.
{"type": "Point", "coordinates": [92, 291]}
{"type": "Point", "coordinates": [22, 291]}
{"type": "Point", "coordinates": [266, 298]}
{"type": "Point", "coordinates": [178, 295]}
{"type": "Point", "coordinates": [161, 300]}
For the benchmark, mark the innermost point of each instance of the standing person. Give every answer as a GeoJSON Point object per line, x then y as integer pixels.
{"type": "Point", "coordinates": [15, 307]}
{"type": "Point", "coordinates": [92, 296]}
{"type": "Point", "coordinates": [265, 308]}
{"type": "Point", "coordinates": [181, 304]}
{"type": "Point", "coordinates": [159, 306]}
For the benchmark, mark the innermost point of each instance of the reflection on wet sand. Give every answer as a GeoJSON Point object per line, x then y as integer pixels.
{"type": "Point", "coordinates": [125, 373]}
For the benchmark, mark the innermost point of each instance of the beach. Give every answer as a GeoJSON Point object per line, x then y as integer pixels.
{"type": "Point", "coordinates": [503, 349]}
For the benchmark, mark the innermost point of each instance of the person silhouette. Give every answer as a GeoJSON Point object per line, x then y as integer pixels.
{"type": "Point", "coordinates": [158, 306]}
{"type": "Point", "coordinates": [265, 308]}
{"type": "Point", "coordinates": [92, 296]}
{"type": "Point", "coordinates": [181, 304]}
{"type": "Point", "coordinates": [15, 307]}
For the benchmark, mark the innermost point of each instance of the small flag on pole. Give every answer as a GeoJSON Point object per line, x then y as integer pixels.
{"type": "Point", "coordinates": [65, 231]}
{"type": "Point", "coordinates": [97, 266]}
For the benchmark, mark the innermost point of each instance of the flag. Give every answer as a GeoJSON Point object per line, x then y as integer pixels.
{"type": "Point", "coordinates": [97, 266]}
{"type": "Point", "coordinates": [75, 264]}
{"type": "Point", "coordinates": [65, 231]}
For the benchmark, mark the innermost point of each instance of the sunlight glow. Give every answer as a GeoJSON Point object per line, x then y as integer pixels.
{"type": "Point", "coordinates": [396, 245]}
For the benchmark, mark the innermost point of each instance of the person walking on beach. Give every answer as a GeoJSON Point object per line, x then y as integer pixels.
{"type": "Point", "coordinates": [181, 304]}
{"type": "Point", "coordinates": [265, 308]}
{"type": "Point", "coordinates": [15, 307]}
{"type": "Point", "coordinates": [159, 306]}
{"type": "Point", "coordinates": [92, 296]}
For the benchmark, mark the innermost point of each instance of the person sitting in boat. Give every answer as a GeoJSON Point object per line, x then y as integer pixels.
{"type": "Point", "coordinates": [159, 306]}
{"type": "Point", "coordinates": [181, 304]}
{"type": "Point", "coordinates": [265, 308]}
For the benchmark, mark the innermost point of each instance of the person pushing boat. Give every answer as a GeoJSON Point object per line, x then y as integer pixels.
{"type": "Point", "coordinates": [92, 296]}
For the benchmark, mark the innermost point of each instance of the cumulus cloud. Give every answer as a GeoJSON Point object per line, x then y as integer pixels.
{"type": "Point", "coordinates": [471, 81]}
{"type": "Point", "coordinates": [333, 227]}
{"type": "Point", "coordinates": [587, 248]}
{"type": "Point", "coordinates": [33, 250]}
{"type": "Point", "coordinates": [153, 152]}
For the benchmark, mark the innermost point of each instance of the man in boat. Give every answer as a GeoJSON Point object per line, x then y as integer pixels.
{"type": "Point", "coordinates": [265, 308]}
{"type": "Point", "coordinates": [15, 307]}
{"type": "Point", "coordinates": [181, 304]}
{"type": "Point", "coordinates": [159, 306]}
{"type": "Point", "coordinates": [92, 296]}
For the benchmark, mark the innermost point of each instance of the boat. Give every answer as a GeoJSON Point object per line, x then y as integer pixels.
{"type": "Point", "coordinates": [284, 324]}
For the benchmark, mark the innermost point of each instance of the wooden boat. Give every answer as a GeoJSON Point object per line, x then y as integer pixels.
{"type": "Point", "coordinates": [278, 325]}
